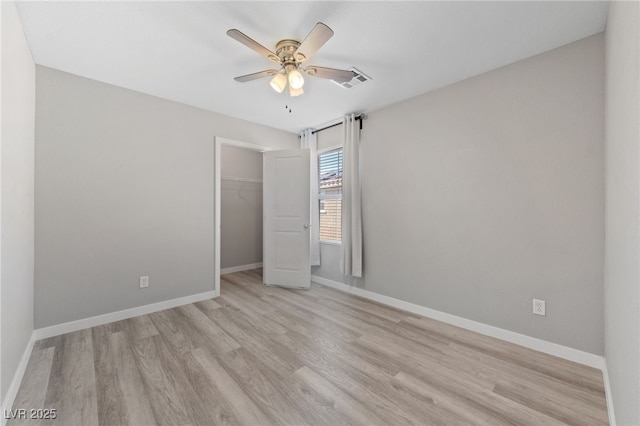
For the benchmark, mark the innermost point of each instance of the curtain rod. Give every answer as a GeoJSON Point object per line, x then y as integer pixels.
{"type": "Point", "coordinates": [358, 118]}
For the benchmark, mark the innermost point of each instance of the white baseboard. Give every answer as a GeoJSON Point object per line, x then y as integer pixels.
{"type": "Point", "coordinates": [68, 327]}
{"type": "Point", "coordinates": [607, 392]}
{"type": "Point", "coordinates": [555, 349]}
{"type": "Point", "coordinates": [240, 268]}
{"type": "Point", "coordinates": [12, 392]}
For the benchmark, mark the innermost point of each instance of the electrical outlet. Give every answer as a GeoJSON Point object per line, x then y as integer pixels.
{"type": "Point", "coordinates": [144, 281]}
{"type": "Point", "coordinates": [539, 307]}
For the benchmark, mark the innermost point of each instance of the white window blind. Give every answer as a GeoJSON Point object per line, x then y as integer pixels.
{"type": "Point", "coordinates": [330, 196]}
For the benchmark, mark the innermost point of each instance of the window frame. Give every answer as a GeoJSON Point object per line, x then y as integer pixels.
{"type": "Point", "coordinates": [329, 196]}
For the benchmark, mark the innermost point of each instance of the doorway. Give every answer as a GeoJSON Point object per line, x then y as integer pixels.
{"type": "Point", "coordinates": [238, 212]}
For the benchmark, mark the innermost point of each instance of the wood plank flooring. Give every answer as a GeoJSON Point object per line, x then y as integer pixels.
{"type": "Point", "coordinates": [260, 355]}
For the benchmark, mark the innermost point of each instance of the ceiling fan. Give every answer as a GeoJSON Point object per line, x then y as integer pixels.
{"type": "Point", "coordinates": [290, 54]}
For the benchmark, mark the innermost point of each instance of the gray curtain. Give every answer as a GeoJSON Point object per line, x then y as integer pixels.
{"type": "Point", "coordinates": [351, 262]}
{"type": "Point", "coordinates": [309, 140]}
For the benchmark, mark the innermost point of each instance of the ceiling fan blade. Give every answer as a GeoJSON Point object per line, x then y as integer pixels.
{"type": "Point", "coordinates": [255, 75]}
{"type": "Point", "coordinates": [318, 36]}
{"type": "Point", "coordinates": [340, 76]}
{"type": "Point", "coordinates": [252, 44]}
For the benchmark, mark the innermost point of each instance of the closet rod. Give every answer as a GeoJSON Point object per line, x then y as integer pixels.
{"type": "Point", "coordinates": [241, 179]}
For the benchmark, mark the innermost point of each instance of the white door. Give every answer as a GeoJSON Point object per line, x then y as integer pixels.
{"type": "Point", "coordinates": [286, 218]}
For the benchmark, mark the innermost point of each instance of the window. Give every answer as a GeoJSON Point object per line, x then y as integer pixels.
{"type": "Point", "coordinates": [330, 195]}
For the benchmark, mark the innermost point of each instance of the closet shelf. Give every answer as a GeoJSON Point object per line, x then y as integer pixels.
{"type": "Point", "coordinates": [241, 179]}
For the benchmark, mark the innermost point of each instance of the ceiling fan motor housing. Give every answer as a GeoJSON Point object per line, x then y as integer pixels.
{"type": "Point", "coordinates": [286, 50]}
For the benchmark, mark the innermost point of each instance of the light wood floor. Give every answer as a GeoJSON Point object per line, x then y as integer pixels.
{"type": "Point", "coordinates": [260, 355]}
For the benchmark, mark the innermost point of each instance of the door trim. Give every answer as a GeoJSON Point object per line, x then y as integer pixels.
{"type": "Point", "coordinates": [217, 167]}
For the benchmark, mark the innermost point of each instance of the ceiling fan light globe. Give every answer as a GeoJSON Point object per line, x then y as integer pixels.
{"type": "Point", "coordinates": [295, 92]}
{"type": "Point", "coordinates": [279, 82]}
{"type": "Point", "coordinates": [296, 81]}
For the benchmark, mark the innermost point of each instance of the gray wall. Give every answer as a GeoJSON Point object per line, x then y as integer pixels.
{"type": "Point", "coordinates": [487, 193]}
{"type": "Point", "coordinates": [330, 137]}
{"type": "Point", "coordinates": [240, 208]}
{"type": "Point", "coordinates": [124, 188]}
{"type": "Point", "coordinates": [17, 145]}
{"type": "Point", "coordinates": [622, 245]}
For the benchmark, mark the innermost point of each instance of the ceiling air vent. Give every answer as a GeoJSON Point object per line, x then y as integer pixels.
{"type": "Point", "coordinates": [357, 80]}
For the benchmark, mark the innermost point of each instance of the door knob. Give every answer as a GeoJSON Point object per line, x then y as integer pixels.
{"type": "Point", "coordinates": [306, 226]}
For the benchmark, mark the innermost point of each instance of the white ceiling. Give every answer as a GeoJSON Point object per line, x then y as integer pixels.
{"type": "Point", "coordinates": [179, 50]}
